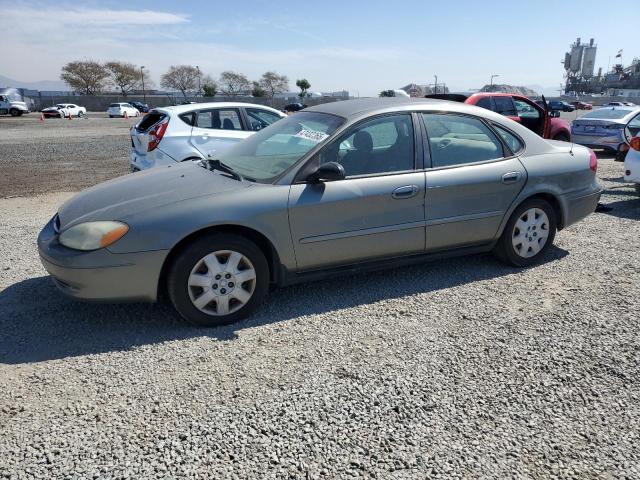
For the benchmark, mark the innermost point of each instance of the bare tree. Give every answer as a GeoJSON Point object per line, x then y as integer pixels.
{"type": "Point", "coordinates": [233, 84]}
{"type": "Point", "coordinates": [272, 83]}
{"type": "Point", "coordinates": [125, 76]}
{"type": "Point", "coordinates": [85, 76]}
{"type": "Point", "coordinates": [180, 77]}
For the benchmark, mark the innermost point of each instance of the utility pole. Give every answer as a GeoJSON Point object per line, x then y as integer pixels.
{"type": "Point", "coordinates": [144, 94]}
{"type": "Point", "coordinates": [492, 77]}
{"type": "Point", "coordinates": [435, 85]}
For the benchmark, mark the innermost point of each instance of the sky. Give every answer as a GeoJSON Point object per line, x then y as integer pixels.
{"type": "Point", "coordinates": [360, 46]}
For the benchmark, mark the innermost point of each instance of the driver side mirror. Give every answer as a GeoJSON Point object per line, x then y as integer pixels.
{"type": "Point", "coordinates": [554, 113]}
{"type": "Point", "coordinates": [327, 172]}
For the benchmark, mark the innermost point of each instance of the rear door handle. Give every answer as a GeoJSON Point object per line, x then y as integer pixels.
{"type": "Point", "coordinates": [407, 191]}
{"type": "Point", "coordinates": [511, 177]}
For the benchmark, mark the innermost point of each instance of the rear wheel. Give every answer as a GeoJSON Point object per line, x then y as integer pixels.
{"type": "Point", "coordinates": [529, 233]}
{"type": "Point", "coordinates": [218, 279]}
{"type": "Point", "coordinates": [620, 156]}
{"type": "Point", "coordinates": [80, 114]}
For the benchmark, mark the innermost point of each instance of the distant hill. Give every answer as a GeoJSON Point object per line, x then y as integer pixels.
{"type": "Point", "coordinates": [527, 92]}
{"type": "Point", "coordinates": [56, 85]}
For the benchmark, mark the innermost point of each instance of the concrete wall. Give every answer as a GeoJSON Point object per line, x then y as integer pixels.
{"type": "Point", "coordinates": [100, 103]}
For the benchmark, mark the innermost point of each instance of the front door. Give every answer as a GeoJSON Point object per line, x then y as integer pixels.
{"type": "Point", "coordinates": [217, 129]}
{"type": "Point", "coordinates": [376, 211]}
{"type": "Point", "coordinates": [471, 184]}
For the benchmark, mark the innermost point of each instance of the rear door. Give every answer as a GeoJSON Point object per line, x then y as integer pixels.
{"type": "Point", "coordinates": [472, 178]}
{"type": "Point", "coordinates": [216, 129]}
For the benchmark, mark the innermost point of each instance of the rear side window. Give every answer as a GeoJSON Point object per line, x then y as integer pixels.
{"type": "Point", "coordinates": [149, 120]}
{"type": "Point", "coordinates": [485, 102]}
{"type": "Point", "coordinates": [458, 140]}
{"type": "Point", "coordinates": [219, 118]}
{"type": "Point", "coordinates": [114, 105]}
{"type": "Point", "coordinates": [505, 106]}
{"type": "Point", "coordinates": [513, 142]}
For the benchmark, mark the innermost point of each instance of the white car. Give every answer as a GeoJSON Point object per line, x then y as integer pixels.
{"type": "Point", "coordinates": [193, 132]}
{"type": "Point", "coordinates": [632, 160]}
{"type": "Point", "coordinates": [122, 110]}
{"type": "Point", "coordinates": [65, 110]}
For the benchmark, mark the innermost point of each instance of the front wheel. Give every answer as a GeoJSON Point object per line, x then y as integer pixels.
{"type": "Point", "coordinates": [14, 112]}
{"type": "Point", "coordinates": [528, 235]}
{"type": "Point", "coordinates": [218, 279]}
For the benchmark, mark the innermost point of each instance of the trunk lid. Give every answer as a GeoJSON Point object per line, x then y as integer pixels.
{"type": "Point", "coordinates": [140, 137]}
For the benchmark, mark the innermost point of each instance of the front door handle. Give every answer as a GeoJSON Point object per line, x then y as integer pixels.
{"type": "Point", "coordinates": [407, 191]}
{"type": "Point", "coordinates": [511, 177]}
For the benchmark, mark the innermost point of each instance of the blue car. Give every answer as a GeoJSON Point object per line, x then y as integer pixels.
{"type": "Point", "coordinates": [141, 107]}
{"type": "Point", "coordinates": [604, 129]}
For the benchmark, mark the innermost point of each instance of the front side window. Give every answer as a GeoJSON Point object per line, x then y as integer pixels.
{"type": "Point", "coordinates": [505, 106]}
{"type": "Point", "coordinates": [219, 118]}
{"type": "Point", "coordinates": [382, 145]}
{"type": "Point", "coordinates": [259, 119]}
{"type": "Point", "coordinates": [458, 140]}
{"type": "Point", "coordinates": [525, 110]}
{"type": "Point", "coordinates": [270, 152]}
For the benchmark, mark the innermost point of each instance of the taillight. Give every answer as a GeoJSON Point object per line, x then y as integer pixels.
{"type": "Point", "coordinates": [593, 161]}
{"type": "Point", "coordinates": [635, 143]}
{"type": "Point", "coordinates": [156, 134]}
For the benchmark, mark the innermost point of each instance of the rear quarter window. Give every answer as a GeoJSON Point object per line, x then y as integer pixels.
{"type": "Point", "coordinates": [149, 120]}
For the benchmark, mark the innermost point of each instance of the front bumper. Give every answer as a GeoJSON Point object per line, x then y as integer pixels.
{"type": "Point", "coordinates": [100, 275]}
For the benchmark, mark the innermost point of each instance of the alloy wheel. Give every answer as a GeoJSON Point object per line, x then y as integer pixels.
{"type": "Point", "coordinates": [221, 282]}
{"type": "Point", "coordinates": [530, 233]}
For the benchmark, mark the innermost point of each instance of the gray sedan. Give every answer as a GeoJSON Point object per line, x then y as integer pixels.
{"type": "Point", "coordinates": [342, 187]}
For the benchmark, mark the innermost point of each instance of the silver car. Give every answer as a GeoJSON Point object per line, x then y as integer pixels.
{"type": "Point", "coordinates": [194, 131]}
{"type": "Point", "coordinates": [342, 187]}
{"type": "Point", "coordinates": [604, 128]}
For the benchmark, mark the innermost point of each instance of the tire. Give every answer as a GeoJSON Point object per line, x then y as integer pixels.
{"type": "Point", "coordinates": [525, 255]}
{"type": "Point", "coordinates": [14, 112]}
{"type": "Point", "coordinates": [80, 114]}
{"type": "Point", "coordinates": [110, 116]}
{"type": "Point", "coordinates": [620, 156]}
{"type": "Point", "coordinates": [561, 137]}
{"type": "Point", "coordinates": [239, 301]}
{"type": "Point", "coordinates": [638, 188]}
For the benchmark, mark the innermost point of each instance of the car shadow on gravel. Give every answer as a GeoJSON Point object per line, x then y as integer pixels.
{"type": "Point", "coordinates": [629, 209]}
{"type": "Point", "coordinates": [38, 323]}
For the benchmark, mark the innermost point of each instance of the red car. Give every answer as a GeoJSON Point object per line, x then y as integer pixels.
{"type": "Point", "coordinates": [518, 108]}
{"type": "Point", "coordinates": [582, 105]}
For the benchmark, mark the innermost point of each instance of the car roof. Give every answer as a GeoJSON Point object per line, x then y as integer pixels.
{"type": "Point", "coordinates": [362, 106]}
{"type": "Point", "coordinates": [178, 109]}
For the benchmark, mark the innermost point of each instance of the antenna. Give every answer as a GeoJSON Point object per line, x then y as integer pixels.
{"type": "Point", "coordinates": [571, 134]}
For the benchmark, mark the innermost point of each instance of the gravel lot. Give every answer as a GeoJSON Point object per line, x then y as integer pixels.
{"type": "Point", "coordinates": [462, 368]}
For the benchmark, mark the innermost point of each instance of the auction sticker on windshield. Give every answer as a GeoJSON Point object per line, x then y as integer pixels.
{"type": "Point", "coordinates": [312, 135]}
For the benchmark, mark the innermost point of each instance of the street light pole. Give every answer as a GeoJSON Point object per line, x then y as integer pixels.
{"type": "Point", "coordinates": [144, 94]}
{"type": "Point", "coordinates": [492, 77]}
{"type": "Point", "coordinates": [199, 89]}
{"type": "Point", "coordinates": [435, 85]}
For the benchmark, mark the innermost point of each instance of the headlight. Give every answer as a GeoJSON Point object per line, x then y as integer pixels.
{"type": "Point", "coordinates": [93, 235]}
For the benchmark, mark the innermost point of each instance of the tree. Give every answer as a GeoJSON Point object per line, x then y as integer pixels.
{"type": "Point", "coordinates": [304, 85]}
{"type": "Point", "coordinates": [387, 93]}
{"type": "Point", "coordinates": [209, 86]}
{"type": "Point", "coordinates": [125, 76]}
{"type": "Point", "coordinates": [233, 83]}
{"type": "Point", "coordinates": [85, 76]}
{"type": "Point", "coordinates": [273, 83]}
{"type": "Point", "coordinates": [258, 91]}
{"type": "Point", "coordinates": [181, 77]}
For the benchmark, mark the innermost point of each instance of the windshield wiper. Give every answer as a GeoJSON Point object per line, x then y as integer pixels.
{"type": "Point", "coordinates": [214, 164]}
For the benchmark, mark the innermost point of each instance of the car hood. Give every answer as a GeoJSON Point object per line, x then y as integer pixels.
{"type": "Point", "coordinates": [140, 191]}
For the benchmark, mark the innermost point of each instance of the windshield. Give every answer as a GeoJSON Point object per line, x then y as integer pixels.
{"type": "Point", "coordinates": [608, 113]}
{"type": "Point", "coordinates": [269, 152]}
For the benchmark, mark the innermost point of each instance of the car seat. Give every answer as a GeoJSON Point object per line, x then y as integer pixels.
{"type": "Point", "coordinates": [356, 162]}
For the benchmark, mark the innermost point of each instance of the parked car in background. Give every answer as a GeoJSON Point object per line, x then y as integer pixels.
{"type": "Point", "coordinates": [293, 107]}
{"type": "Point", "coordinates": [337, 188]}
{"type": "Point", "coordinates": [122, 110]}
{"type": "Point", "coordinates": [64, 110]}
{"type": "Point", "coordinates": [141, 107]}
{"type": "Point", "coordinates": [194, 131]}
{"type": "Point", "coordinates": [632, 159]}
{"type": "Point", "coordinates": [582, 105]}
{"type": "Point", "coordinates": [560, 106]}
{"type": "Point", "coordinates": [521, 109]}
{"type": "Point", "coordinates": [604, 128]}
